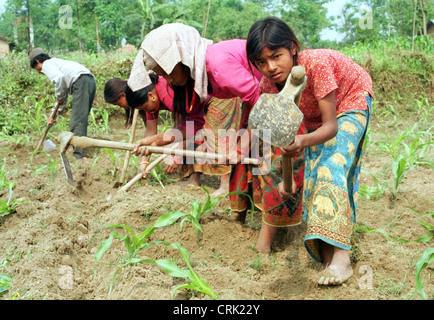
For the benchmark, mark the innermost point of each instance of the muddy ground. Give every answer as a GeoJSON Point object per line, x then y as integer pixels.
{"type": "Point", "coordinates": [50, 242]}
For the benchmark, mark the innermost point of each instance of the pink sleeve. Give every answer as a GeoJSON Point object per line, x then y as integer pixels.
{"type": "Point", "coordinates": [165, 94]}
{"type": "Point", "coordinates": [229, 72]}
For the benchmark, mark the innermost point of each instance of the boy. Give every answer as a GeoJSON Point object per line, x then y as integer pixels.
{"type": "Point", "coordinates": [69, 77]}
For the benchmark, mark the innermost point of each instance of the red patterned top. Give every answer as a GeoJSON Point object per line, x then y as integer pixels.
{"type": "Point", "coordinates": [329, 70]}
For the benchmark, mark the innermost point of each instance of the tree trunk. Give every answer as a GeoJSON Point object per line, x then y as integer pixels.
{"type": "Point", "coordinates": [30, 28]}
{"type": "Point", "coordinates": [78, 24]}
{"type": "Point", "coordinates": [414, 24]}
{"type": "Point", "coordinates": [422, 4]}
{"type": "Point", "coordinates": [97, 34]}
{"type": "Point", "coordinates": [205, 17]}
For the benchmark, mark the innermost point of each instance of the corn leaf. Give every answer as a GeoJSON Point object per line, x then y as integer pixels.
{"type": "Point", "coordinates": [168, 219]}
{"type": "Point", "coordinates": [426, 259]}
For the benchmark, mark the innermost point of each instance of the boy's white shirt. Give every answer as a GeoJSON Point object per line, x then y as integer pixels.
{"type": "Point", "coordinates": [63, 73]}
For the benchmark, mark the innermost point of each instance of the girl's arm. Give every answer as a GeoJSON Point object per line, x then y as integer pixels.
{"type": "Point", "coordinates": [161, 139]}
{"type": "Point", "coordinates": [327, 131]}
{"type": "Point", "coordinates": [151, 130]}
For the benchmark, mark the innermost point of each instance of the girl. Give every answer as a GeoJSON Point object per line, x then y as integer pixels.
{"type": "Point", "coordinates": [149, 100]}
{"type": "Point", "coordinates": [195, 68]}
{"type": "Point", "coordinates": [336, 105]}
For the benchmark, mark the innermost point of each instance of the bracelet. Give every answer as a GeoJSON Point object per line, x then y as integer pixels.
{"type": "Point", "coordinates": [144, 162]}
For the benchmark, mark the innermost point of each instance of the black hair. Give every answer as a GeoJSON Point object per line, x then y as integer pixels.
{"type": "Point", "coordinates": [113, 89]}
{"type": "Point", "coordinates": [40, 57]}
{"type": "Point", "coordinates": [179, 97]}
{"type": "Point", "coordinates": [137, 98]}
{"type": "Point", "coordinates": [272, 33]}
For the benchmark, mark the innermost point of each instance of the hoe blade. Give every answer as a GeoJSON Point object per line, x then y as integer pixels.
{"type": "Point", "coordinates": [67, 168]}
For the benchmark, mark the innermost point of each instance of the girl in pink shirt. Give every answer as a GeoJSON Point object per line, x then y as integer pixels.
{"type": "Point", "coordinates": [149, 101]}
{"type": "Point", "coordinates": [195, 68]}
{"type": "Point", "coordinates": [336, 106]}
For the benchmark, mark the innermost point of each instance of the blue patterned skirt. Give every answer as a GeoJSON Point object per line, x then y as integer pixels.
{"type": "Point", "coordinates": [331, 183]}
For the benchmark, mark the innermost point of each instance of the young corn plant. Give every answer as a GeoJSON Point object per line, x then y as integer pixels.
{"type": "Point", "coordinates": [372, 192]}
{"type": "Point", "coordinates": [426, 259]}
{"type": "Point", "coordinates": [114, 158]}
{"type": "Point", "coordinates": [399, 170]}
{"type": "Point", "coordinates": [37, 116]}
{"type": "Point", "coordinates": [390, 145]}
{"type": "Point", "coordinates": [50, 166]}
{"type": "Point", "coordinates": [5, 283]}
{"type": "Point", "coordinates": [99, 120]}
{"type": "Point", "coordinates": [198, 209]}
{"type": "Point", "coordinates": [7, 206]}
{"type": "Point", "coordinates": [5, 280]}
{"type": "Point", "coordinates": [196, 212]}
{"type": "Point", "coordinates": [429, 227]}
{"type": "Point", "coordinates": [415, 152]}
{"type": "Point", "coordinates": [133, 243]}
{"type": "Point", "coordinates": [195, 282]}
{"type": "Point", "coordinates": [160, 176]}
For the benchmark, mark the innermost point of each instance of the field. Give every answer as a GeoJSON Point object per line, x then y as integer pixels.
{"type": "Point", "coordinates": [51, 234]}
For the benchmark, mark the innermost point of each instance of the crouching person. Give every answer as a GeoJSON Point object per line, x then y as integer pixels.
{"type": "Point", "coordinates": [69, 77]}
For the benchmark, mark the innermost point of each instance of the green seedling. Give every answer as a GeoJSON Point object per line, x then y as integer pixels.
{"type": "Point", "coordinates": [95, 115]}
{"type": "Point", "coordinates": [198, 209]}
{"type": "Point", "coordinates": [160, 176]}
{"type": "Point", "coordinates": [429, 227]}
{"type": "Point", "coordinates": [381, 231]}
{"type": "Point", "coordinates": [114, 158]}
{"type": "Point", "coordinates": [37, 116]}
{"type": "Point", "coordinates": [372, 192]}
{"type": "Point", "coordinates": [50, 166]}
{"type": "Point", "coordinates": [415, 152]}
{"type": "Point", "coordinates": [5, 280]}
{"type": "Point", "coordinates": [15, 139]}
{"type": "Point", "coordinates": [399, 170]}
{"type": "Point", "coordinates": [5, 283]}
{"type": "Point", "coordinates": [426, 259]}
{"type": "Point", "coordinates": [390, 145]}
{"type": "Point", "coordinates": [195, 282]}
{"type": "Point", "coordinates": [133, 244]}
{"type": "Point", "coordinates": [7, 207]}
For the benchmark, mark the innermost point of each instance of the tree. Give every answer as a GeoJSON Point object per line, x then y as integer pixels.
{"type": "Point", "coordinates": [307, 18]}
{"type": "Point", "coordinates": [148, 16]}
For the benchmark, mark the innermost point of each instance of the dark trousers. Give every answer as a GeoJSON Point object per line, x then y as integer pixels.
{"type": "Point", "coordinates": [83, 93]}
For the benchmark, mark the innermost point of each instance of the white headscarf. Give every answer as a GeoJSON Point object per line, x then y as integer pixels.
{"type": "Point", "coordinates": [166, 46]}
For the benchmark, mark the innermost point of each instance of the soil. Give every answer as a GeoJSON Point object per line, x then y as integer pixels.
{"type": "Point", "coordinates": [51, 240]}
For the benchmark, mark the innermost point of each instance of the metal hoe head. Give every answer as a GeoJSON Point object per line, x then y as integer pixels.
{"type": "Point", "coordinates": [48, 145]}
{"type": "Point", "coordinates": [65, 139]}
{"type": "Point", "coordinates": [277, 117]}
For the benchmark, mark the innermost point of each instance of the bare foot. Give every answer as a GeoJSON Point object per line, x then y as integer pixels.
{"type": "Point", "coordinates": [339, 270]}
{"type": "Point", "coordinates": [334, 275]}
{"type": "Point", "coordinates": [224, 186]}
{"type": "Point", "coordinates": [193, 181]}
{"type": "Point", "coordinates": [219, 191]}
{"type": "Point", "coordinates": [239, 216]}
{"type": "Point", "coordinates": [265, 238]}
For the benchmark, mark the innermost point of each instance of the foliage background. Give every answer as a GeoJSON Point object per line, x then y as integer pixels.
{"type": "Point", "coordinates": [109, 24]}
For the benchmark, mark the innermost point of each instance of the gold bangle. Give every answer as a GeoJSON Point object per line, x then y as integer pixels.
{"type": "Point", "coordinates": [144, 162]}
